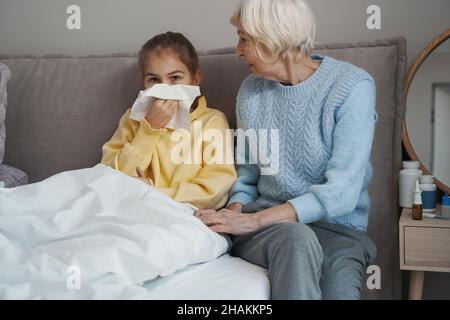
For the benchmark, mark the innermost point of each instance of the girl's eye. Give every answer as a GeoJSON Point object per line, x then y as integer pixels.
{"type": "Point", "coordinates": [242, 39]}
{"type": "Point", "coordinates": [175, 78]}
{"type": "Point", "coordinates": [152, 79]}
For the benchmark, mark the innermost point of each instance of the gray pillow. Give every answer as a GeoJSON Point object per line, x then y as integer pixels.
{"type": "Point", "coordinates": [5, 75]}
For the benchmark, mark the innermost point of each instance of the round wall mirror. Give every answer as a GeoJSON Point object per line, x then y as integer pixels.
{"type": "Point", "coordinates": [426, 126]}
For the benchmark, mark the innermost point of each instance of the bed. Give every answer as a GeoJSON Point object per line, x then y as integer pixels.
{"type": "Point", "coordinates": [226, 278]}
{"type": "Point", "coordinates": [96, 233]}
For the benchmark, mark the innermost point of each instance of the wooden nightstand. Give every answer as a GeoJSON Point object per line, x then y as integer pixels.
{"type": "Point", "coordinates": [424, 246]}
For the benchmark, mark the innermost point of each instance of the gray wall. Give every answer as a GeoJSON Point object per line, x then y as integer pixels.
{"type": "Point", "coordinates": [39, 26]}
{"type": "Point", "coordinates": [108, 26]}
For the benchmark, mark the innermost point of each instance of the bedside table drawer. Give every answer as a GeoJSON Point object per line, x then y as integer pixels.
{"type": "Point", "coordinates": [427, 246]}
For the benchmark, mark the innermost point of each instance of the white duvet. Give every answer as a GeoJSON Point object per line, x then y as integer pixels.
{"type": "Point", "coordinates": [95, 234]}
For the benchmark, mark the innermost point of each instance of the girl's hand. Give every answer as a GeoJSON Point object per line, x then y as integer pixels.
{"type": "Point", "coordinates": [160, 112]}
{"type": "Point", "coordinates": [141, 176]}
{"type": "Point", "coordinates": [229, 221]}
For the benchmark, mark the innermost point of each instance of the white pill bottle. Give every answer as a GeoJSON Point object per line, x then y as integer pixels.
{"type": "Point", "coordinates": [407, 182]}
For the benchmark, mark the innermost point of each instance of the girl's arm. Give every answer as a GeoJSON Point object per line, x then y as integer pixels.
{"type": "Point", "coordinates": [131, 146]}
{"type": "Point", "coordinates": [209, 188]}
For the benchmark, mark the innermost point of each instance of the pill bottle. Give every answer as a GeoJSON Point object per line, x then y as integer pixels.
{"type": "Point", "coordinates": [417, 203]}
{"type": "Point", "coordinates": [407, 181]}
{"type": "Point", "coordinates": [429, 193]}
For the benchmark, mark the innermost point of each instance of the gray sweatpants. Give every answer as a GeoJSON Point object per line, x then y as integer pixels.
{"type": "Point", "coordinates": [314, 261]}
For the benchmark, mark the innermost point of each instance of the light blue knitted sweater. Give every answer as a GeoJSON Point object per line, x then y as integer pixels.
{"type": "Point", "coordinates": [326, 125]}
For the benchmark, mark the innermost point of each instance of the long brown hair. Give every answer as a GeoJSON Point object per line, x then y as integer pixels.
{"type": "Point", "coordinates": [174, 42]}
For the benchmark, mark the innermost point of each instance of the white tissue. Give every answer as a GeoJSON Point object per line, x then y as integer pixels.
{"type": "Point", "coordinates": [186, 94]}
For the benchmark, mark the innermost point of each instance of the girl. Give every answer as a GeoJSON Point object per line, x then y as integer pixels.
{"type": "Point", "coordinates": [145, 148]}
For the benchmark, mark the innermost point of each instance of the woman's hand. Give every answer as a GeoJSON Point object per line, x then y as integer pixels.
{"type": "Point", "coordinates": [160, 112]}
{"type": "Point", "coordinates": [236, 206]}
{"type": "Point", "coordinates": [228, 221]}
{"type": "Point", "coordinates": [237, 223]}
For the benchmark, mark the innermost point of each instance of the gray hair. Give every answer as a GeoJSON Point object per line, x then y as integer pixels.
{"type": "Point", "coordinates": [284, 27]}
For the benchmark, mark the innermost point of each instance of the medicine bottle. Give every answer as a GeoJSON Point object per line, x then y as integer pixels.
{"type": "Point", "coordinates": [417, 204]}
{"type": "Point", "coordinates": [407, 181]}
{"type": "Point", "coordinates": [445, 209]}
{"type": "Point", "coordinates": [429, 191]}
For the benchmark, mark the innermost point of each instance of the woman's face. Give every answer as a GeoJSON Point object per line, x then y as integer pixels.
{"type": "Point", "coordinates": [246, 48]}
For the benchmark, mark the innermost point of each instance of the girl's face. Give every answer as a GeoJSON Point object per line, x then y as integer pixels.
{"type": "Point", "coordinates": [167, 68]}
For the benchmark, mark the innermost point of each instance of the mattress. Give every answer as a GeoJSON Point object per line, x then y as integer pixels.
{"type": "Point", "coordinates": [226, 278]}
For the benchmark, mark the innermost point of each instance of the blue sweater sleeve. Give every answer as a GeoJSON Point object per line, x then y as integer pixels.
{"type": "Point", "coordinates": [245, 188]}
{"type": "Point", "coordinates": [346, 169]}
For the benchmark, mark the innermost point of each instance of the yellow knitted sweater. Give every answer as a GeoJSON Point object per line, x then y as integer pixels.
{"type": "Point", "coordinates": [195, 167]}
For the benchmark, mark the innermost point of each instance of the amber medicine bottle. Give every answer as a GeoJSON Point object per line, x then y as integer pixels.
{"type": "Point", "coordinates": [417, 204]}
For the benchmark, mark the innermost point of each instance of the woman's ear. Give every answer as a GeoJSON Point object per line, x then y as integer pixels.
{"type": "Point", "coordinates": [197, 78]}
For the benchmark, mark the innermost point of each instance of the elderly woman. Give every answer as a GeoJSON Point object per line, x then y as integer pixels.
{"type": "Point", "coordinates": [307, 222]}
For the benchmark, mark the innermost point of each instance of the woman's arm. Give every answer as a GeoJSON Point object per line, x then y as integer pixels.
{"type": "Point", "coordinates": [245, 189]}
{"type": "Point", "coordinates": [346, 169]}
{"type": "Point", "coordinates": [345, 174]}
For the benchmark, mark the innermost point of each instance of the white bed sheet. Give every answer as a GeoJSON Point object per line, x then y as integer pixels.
{"type": "Point", "coordinates": [95, 233]}
{"type": "Point", "coordinates": [226, 278]}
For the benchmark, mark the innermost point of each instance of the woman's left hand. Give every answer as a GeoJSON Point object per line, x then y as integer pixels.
{"type": "Point", "coordinates": [228, 221]}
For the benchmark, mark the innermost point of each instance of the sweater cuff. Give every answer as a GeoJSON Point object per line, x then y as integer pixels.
{"type": "Point", "coordinates": [308, 208]}
{"type": "Point", "coordinates": [146, 137]}
{"type": "Point", "coordinates": [240, 197]}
